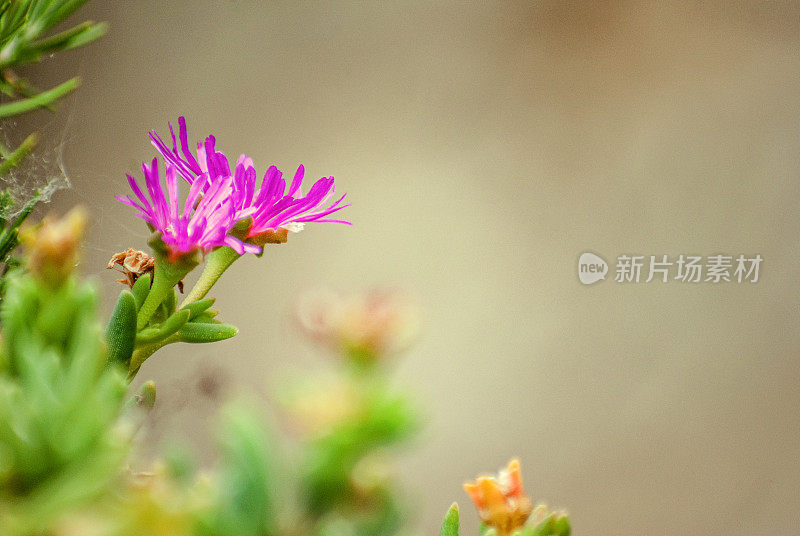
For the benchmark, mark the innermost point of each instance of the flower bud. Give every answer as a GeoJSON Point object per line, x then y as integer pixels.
{"type": "Point", "coordinates": [364, 327]}
{"type": "Point", "coordinates": [501, 501]}
{"type": "Point", "coordinates": [52, 246]}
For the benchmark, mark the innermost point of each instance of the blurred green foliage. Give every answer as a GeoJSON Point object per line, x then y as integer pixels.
{"type": "Point", "coordinates": [347, 483]}
{"type": "Point", "coordinates": [25, 38]}
{"type": "Point", "coordinates": [61, 444]}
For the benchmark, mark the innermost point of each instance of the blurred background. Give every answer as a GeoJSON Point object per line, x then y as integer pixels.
{"type": "Point", "coordinates": [484, 147]}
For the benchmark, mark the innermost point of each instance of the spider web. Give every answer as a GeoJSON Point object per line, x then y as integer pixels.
{"type": "Point", "coordinates": [42, 171]}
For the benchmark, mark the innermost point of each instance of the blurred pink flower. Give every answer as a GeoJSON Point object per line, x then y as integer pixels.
{"type": "Point", "coordinates": [364, 326]}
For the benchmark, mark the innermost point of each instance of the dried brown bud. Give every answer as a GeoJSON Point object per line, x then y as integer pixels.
{"type": "Point", "coordinates": [132, 265]}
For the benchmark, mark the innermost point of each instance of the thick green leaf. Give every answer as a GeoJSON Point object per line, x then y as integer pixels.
{"type": "Point", "coordinates": [555, 524]}
{"type": "Point", "coordinates": [121, 330]}
{"type": "Point", "coordinates": [450, 524]}
{"type": "Point", "coordinates": [561, 525]}
{"type": "Point", "coordinates": [141, 289]}
{"type": "Point", "coordinates": [171, 325]}
{"type": "Point", "coordinates": [194, 332]}
{"type": "Point", "coordinates": [197, 308]}
{"type": "Point", "coordinates": [206, 317]}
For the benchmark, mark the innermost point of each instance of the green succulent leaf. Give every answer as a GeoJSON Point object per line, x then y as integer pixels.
{"type": "Point", "coordinates": [206, 317]}
{"type": "Point", "coordinates": [450, 525]}
{"type": "Point", "coordinates": [561, 526]}
{"type": "Point", "coordinates": [141, 289]}
{"type": "Point", "coordinates": [170, 326]}
{"type": "Point", "coordinates": [197, 332]}
{"type": "Point", "coordinates": [555, 524]}
{"type": "Point", "coordinates": [199, 307]}
{"type": "Point", "coordinates": [121, 330]}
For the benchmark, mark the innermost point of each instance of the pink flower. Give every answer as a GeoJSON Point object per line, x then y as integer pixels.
{"type": "Point", "coordinates": [203, 221]}
{"type": "Point", "coordinates": [272, 207]}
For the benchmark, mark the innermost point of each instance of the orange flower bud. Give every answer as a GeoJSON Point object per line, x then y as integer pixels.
{"type": "Point", "coordinates": [501, 501]}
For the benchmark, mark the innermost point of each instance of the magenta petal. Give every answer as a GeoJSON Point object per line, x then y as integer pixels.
{"type": "Point", "coordinates": [184, 137]}
{"type": "Point", "coordinates": [297, 180]}
{"type": "Point", "coordinates": [218, 198]}
{"type": "Point", "coordinates": [172, 189]}
{"type": "Point", "coordinates": [240, 247]}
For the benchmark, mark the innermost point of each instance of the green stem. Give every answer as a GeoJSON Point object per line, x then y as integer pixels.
{"type": "Point", "coordinates": [217, 262]}
{"type": "Point", "coordinates": [140, 355]}
{"type": "Point", "coordinates": [165, 277]}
